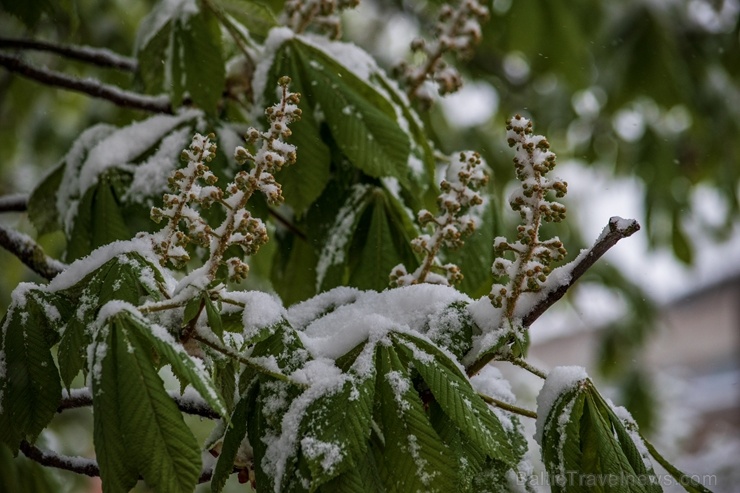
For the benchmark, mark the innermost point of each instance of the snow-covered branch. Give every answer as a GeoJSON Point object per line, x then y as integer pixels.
{"type": "Point", "coordinates": [30, 253]}
{"type": "Point", "coordinates": [96, 56]}
{"type": "Point", "coordinates": [188, 404]}
{"type": "Point", "coordinates": [94, 88]}
{"type": "Point", "coordinates": [80, 465]}
{"type": "Point", "coordinates": [17, 202]}
{"type": "Point", "coordinates": [616, 230]}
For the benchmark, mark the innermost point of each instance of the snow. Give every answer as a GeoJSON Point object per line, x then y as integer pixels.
{"type": "Point", "coordinates": [560, 380]}
{"type": "Point", "coordinates": [102, 147]}
{"type": "Point", "coordinates": [340, 233]}
{"type": "Point", "coordinates": [372, 314]}
{"type": "Point", "coordinates": [80, 268]}
{"type": "Point", "coordinates": [260, 309]}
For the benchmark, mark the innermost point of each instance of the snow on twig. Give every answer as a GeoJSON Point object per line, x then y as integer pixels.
{"type": "Point", "coordinates": [97, 56]}
{"type": "Point", "coordinates": [94, 88]}
{"type": "Point", "coordinates": [30, 253]}
{"type": "Point", "coordinates": [17, 202]}
{"type": "Point", "coordinates": [616, 230]}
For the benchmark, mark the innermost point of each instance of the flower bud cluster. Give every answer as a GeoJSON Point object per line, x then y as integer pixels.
{"type": "Point", "coordinates": [457, 31]}
{"type": "Point", "coordinates": [324, 14]}
{"type": "Point", "coordinates": [240, 227]}
{"type": "Point", "coordinates": [191, 185]}
{"type": "Point", "coordinates": [195, 187]}
{"type": "Point", "coordinates": [532, 256]}
{"type": "Point", "coordinates": [464, 176]}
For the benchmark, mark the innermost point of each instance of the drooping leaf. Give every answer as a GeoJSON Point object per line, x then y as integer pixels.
{"type": "Point", "coordinates": [188, 40]}
{"type": "Point", "coordinates": [127, 277]}
{"type": "Point", "coordinates": [42, 203]}
{"type": "Point", "coordinates": [171, 351]}
{"type": "Point", "coordinates": [256, 16]}
{"type": "Point", "coordinates": [232, 439]}
{"type": "Point", "coordinates": [414, 456]}
{"type": "Point", "coordinates": [458, 399]}
{"type": "Point", "coordinates": [30, 389]}
{"type": "Point", "coordinates": [335, 429]}
{"type": "Point", "coordinates": [585, 445]}
{"type": "Point", "coordinates": [138, 429]}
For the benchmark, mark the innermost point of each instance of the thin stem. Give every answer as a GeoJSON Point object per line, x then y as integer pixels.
{"type": "Point", "coordinates": [30, 253]}
{"type": "Point", "coordinates": [508, 407]}
{"type": "Point", "coordinates": [241, 359]}
{"type": "Point", "coordinates": [120, 97]}
{"type": "Point", "coordinates": [14, 203]}
{"type": "Point", "coordinates": [96, 56]}
{"type": "Point", "coordinates": [530, 368]}
{"type": "Point", "coordinates": [682, 478]}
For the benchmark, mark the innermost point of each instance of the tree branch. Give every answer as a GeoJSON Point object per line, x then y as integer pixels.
{"type": "Point", "coordinates": [30, 253]}
{"type": "Point", "coordinates": [126, 99]}
{"type": "Point", "coordinates": [508, 407]}
{"type": "Point", "coordinates": [83, 397]}
{"type": "Point", "coordinates": [80, 465]}
{"type": "Point", "coordinates": [96, 56]}
{"type": "Point", "coordinates": [616, 230]}
{"type": "Point", "coordinates": [14, 203]}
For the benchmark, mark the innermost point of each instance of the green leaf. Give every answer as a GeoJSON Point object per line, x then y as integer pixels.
{"type": "Point", "coordinates": [188, 41]}
{"type": "Point", "coordinates": [379, 247]}
{"type": "Point", "coordinates": [156, 337]}
{"type": "Point", "coordinates": [332, 263]}
{"type": "Point", "coordinates": [284, 345]}
{"type": "Point", "coordinates": [587, 445]}
{"type": "Point", "coordinates": [362, 121]}
{"type": "Point", "coordinates": [335, 429]}
{"type": "Point", "coordinates": [415, 457]}
{"type": "Point", "coordinates": [214, 317]}
{"type": "Point", "coordinates": [458, 399]}
{"type": "Point", "coordinates": [42, 203]}
{"type": "Point", "coordinates": [233, 439]}
{"type": "Point", "coordinates": [199, 42]}
{"type": "Point", "coordinates": [192, 309]}
{"type": "Point", "coordinates": [99, 220]}
{"type": "Point", "coordinates": [30, 390]}
{"type": "Point", "coordinates": [255, 16]}
{"type": "Point", "coordinates": [138, 429]}
{"type": "Point", "coordinates": [126, 277]}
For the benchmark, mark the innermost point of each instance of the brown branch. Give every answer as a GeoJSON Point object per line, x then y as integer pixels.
{"type": "Point", "coordinates": [120, 97]}
{"type": "Point", "coordinates": [30, 253]}
{"type": "Point", "coordinates": [14, 203]}
{"type": "Point", "coordinates": [79, 465]}
{"type": "Point", "coordinates": [616, 230]}
{"type": "Point", "coordinates": [508, 407]}
{"type": "Point", "coordinates": [96, 56]}
{"type": "Point", "coordinates": [83, 398]}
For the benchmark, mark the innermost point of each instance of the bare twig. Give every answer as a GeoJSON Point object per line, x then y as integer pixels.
{"type": "Point", "coordinates": [508, 407]}
{"type": "Point", "coordinates": [616, 230]}
{"type": "Point", "coordinates": [30, 253]}
{"type": "Point", "coordinates": [120, 97]}
{"type": "Point", "coordinates": [530, 368]}
{"type": "Point", "coordinates": [80, 465]}
{"type": "Point", "coordinates": [14, 203]}
{"type": "Point", "coordinates": [96, 56]}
